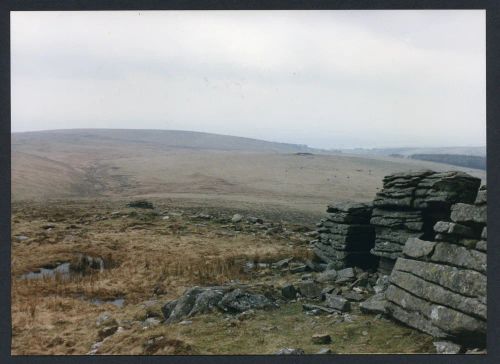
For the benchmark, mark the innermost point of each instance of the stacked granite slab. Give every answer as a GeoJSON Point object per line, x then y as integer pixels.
{"type": "Point", "coordinates": [439, 286]}
{"type": "Point", "coordinates": [410, 204]}
{"type": "Point", "coordinates": [346, 237]}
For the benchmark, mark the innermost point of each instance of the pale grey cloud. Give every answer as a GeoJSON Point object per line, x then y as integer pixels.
{"type": "Point", "coordinates": [324, 78]}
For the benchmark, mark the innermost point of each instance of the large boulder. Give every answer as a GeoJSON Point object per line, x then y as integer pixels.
{"type": "Point", "coordinates": [240, 301]}
{"type": "Point", "coordinates": [198, 300]}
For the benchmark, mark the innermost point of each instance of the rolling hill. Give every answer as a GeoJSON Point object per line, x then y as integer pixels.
{"type": "Point", "coordinates": [199, 167]}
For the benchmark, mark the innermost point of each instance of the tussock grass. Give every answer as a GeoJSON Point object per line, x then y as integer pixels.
{"type": "Point", "coordinates": [156, 263]}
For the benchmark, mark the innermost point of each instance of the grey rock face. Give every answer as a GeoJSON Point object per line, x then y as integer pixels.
{"type": "Point", "coordinates": [455, 323]}
{"type": "Point", "coordinates": [345, 237]}
{"type": "Point", "coordinates": [418, 249]}
{"type": "Point", "coordinates": [437, 294]}
{"type": "Point", "coordinates": [206, 301]}
{"type": "Point", "coordinates": [410, 204]}
{"type": "Point", "coordinates": [240, 301]}
{"type": "Point", "coordinates": [184, 305]}
{"type": "Point", "coordinates": [197, 300]}
{"type": "Point", "coordinates": [459, 256]}
{"type": "Point", "coordinates": [440, 286]}
{"type": "Point", "coordinates": [167, 308]}
{"type": "Point", "coordinates": [468, 214]}
{"type": "Point", "coordinates": [462, 281]}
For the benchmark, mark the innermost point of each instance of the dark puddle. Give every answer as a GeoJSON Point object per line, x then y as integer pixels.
{"type": "Point", "coordinates": [79, 266]}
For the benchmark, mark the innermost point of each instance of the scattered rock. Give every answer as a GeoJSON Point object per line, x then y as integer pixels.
{"type": "Point", "coordinates": [153, 344]}
{"type": "Point", "coordinates": [106, 331]}
{"type": "Point", "coordinates": [353, 296]}
{"type": "Point", "coordinates": [151, 322]}
{"type": "Point", "coordinates": [376, 304]}
{"type": "Point", "coordinates": [255, 220]}
{"type": "Point", "coordinates": [290, 351]}
{"type": "Point", "coordinates": [316, 308]}
{"type": "Point", "coordinates": [282, 263]}
{"type": "Point", "coordinates": [347, 273]}
{"type": "Point", "coordinates": [246, 315]}
{"type": "Point", "coordinates": [236, 218]}
{"type": "Point", "coordinates": [476, 351]}
{"type": "Point", "coordinates": [324, 351]}
{"type": "Point", "coordinates": [338, 303]}
{"type": "Point", "coordinates": [306, 277]}
{"type": "Point", "coordinates": [321, 339]}
{"type": "Point", "coordinates": [230, 299]}
{"type": "Point", "coordinates": [141, 204]}
{"type": "Point", "coordinates": [289, 292]}
{"type": "Point", "coordinates": [299, 268]}
{"type": "Point", "coordinates": [327, 276]}
{"type": "Point", "coordinates": [95, 348]}
{"type": "Point", "coordinates": [447, 347]}
{"type": "Point", "coordinates": [105, 319]}
{"type": "Point", "coordinates": [309, 289]}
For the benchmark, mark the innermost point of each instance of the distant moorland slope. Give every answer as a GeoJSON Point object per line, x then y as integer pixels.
{"type": "Point", "coordinates": [220, 169]}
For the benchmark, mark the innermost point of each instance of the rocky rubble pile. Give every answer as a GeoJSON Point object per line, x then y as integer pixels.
{"type": "Point", "coordinates": [230, 299]}
{"type": "Point", "coordinates": [410, 204]}
{"type": "Point", "coordinates": [346, 237]}
{"type": "Point", "coordinates": [439, 286]}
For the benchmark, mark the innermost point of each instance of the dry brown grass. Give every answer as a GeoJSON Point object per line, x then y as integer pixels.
{"type": "Point", "coordinates": [148, 260]}
{"type": "Point", "coordinates": [153, 259]}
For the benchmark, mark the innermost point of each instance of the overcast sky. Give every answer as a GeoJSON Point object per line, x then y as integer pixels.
{"type": "Point", "coordinates": [328, 79]}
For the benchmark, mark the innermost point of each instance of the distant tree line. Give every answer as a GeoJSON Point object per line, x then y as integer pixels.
{"type": "Point", "coordinates": [469, 161]}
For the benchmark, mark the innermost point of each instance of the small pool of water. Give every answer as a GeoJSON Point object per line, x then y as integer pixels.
{"type": "Point", "coordinates": [63, 270]}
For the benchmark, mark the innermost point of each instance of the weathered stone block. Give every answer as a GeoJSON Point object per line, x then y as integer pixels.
{"type": "Point", "coordinates": [437, 294]}
{"type": "Point", "coordinates": [446, 319]}
{"type": "Point", "coordinates": [338, 303]}
{"type": "Point", "coordinates": [468, 214]}
{"type": "Point", "coordinates": [309, 289]}
{"type": "Point", "coordinates": [376, 304]}
{"type": "Point", "coordinates": [418, 249]}
{"type": "Point", "coordinates": [462, 281]}
{"type": "Point", "coordinates": [459, 256]}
